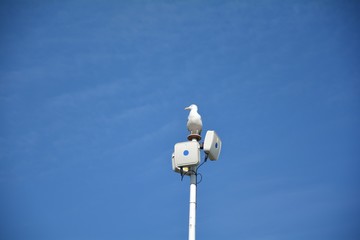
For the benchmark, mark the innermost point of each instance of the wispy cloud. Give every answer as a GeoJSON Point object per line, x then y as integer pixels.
{"type": "Point", "coordinates": [84, 95]}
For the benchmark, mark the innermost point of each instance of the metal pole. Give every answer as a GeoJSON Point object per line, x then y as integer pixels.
{"type": "Point", "coordinates": [192, 210]}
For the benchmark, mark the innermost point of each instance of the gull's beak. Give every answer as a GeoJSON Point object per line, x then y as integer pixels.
{"type": "Point", "coordinates": [188, 108]}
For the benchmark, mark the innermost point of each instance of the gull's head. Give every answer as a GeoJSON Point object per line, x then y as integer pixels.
{"type": "Point", "coordinates": [192, 107]}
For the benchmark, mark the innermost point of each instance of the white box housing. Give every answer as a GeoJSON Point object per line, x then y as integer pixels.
{"type": "Point", "coordinates": [174, 167]}
{"type": "Point", "coordinates": [212, 145]}
{"type": "Point", "coordinates": [186, 154]}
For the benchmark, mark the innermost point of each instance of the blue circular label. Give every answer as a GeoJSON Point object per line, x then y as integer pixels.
{"type": "Point", "coordinates": [186, 152]}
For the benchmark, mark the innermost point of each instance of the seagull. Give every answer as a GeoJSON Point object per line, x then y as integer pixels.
{"type": "Point", "coordinates": [194, 123]}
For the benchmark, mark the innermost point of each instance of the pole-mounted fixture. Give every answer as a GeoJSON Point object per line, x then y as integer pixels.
{"type": "Point", "coordinates": [186, 157]}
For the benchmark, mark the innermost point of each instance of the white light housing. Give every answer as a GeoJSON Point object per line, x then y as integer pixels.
{"type": "Point", "coordinates": [212, 145]}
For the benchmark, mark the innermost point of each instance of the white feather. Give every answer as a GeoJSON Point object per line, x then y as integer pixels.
{"type": "Point", "coordinates": [194, 123]}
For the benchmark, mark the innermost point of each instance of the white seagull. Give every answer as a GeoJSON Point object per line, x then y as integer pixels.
{"type": "Point", "coordinates": [194, 123]}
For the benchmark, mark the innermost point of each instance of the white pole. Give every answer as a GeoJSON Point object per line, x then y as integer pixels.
{"type": "Point", "coordinates": [192, 211]}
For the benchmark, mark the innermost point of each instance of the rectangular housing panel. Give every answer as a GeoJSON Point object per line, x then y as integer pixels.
{"type": "Point", "coordinates": [187, 154]}
{"type": "Point", "coordinates": [212, 145]}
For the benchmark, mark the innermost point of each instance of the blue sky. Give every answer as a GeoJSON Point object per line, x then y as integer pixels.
{"type": "Point", "coordinates": [92, 97]}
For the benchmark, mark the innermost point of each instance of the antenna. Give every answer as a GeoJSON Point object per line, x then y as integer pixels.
{"type": "Point", "coordinates": [186, 158]}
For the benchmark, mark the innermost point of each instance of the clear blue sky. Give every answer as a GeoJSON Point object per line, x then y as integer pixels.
{"type": "Point", "coordinates": [92, 97]}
